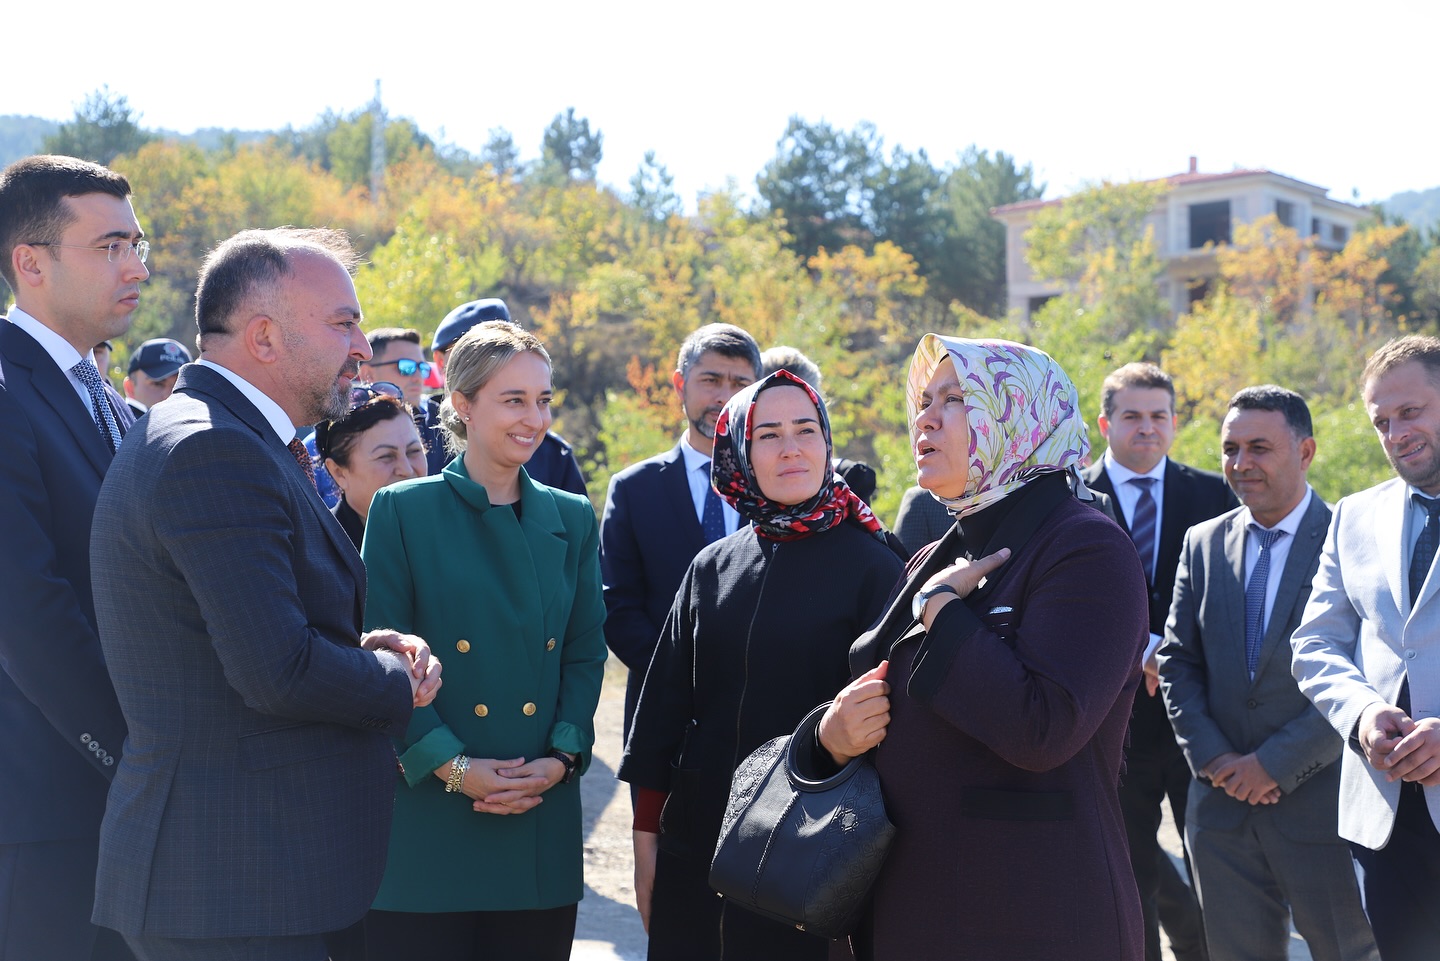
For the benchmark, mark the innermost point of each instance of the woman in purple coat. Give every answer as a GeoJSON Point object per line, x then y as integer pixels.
{"type": "Point", "coordinates": [997, 686]}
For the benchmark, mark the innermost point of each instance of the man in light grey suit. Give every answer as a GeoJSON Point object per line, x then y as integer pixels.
{"type": "Point", "coordinates": [1367, 653]}
{"type": "Point", "coordinates": [1260, 825]}
{"type": "Point", "coordinates": [250, 811]}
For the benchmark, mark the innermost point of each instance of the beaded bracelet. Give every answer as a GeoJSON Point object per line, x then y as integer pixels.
{"type": "Point", "coordinates": [456, 780]}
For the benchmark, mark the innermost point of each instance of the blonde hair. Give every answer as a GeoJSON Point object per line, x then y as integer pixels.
{"type": "Point", "coordinates": [473, 360]}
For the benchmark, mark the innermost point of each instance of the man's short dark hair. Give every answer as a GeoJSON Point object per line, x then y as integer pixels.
{"type": "Point", "coordinates": [1137, 375]}
{"type": "Point", "coordinates": [1277, 398]}
{"type": "Point", "coordinates": [382, 337]}
{"type": "Point", "coordinates": [32, 195]}
{"type": "Point", "coordinates": [246, 268]}
{"type": "Point", "coordinates": [1420, 348]}
{"type": "Point", "coordinates": [727, 340]}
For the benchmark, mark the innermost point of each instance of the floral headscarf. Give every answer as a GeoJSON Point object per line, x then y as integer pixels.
{"type": "Point", "coordinates": [734, 478]}
{"type": "Point", "coordinates": [1023, 409]}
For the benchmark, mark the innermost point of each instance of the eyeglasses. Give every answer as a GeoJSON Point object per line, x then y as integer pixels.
{"type": "Point", "coordinates": [117, 252]}
{"type": "Point", "coordinates": [361, 394]}
{"type": "Point", "coordinates": [407, 366]}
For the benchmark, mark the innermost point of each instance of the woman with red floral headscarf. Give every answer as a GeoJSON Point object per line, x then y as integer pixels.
{"type": "Point", "coordinates": [758, 635]}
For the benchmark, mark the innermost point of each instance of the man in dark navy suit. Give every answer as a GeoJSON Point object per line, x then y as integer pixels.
{"type": "Point", "coordinates": [1157, 501]}
{"type": "Point", "coordinates": [72, 253]}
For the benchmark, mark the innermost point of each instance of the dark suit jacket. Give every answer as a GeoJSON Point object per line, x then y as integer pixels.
{"type": "Point", "coordinates": [63, 726]}
{"type": "Point", "coordinates": [648, 536]}
{"type": "Point", "coordinates": [255, 794]}
{"type": "Point", "coordinates": [1217, 708]}
{"type": "Point", "coordinates": [1191, 496]}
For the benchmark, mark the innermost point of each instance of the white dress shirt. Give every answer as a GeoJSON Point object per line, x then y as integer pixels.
{"type": "Point", "coordinates": [697, 472]}
{"type": "Point", "coordinates": [1279, 550]}
{"type": "Point", "coordinates": [274, 415]}
{"type": "Point", "coordinates": [61, 351]}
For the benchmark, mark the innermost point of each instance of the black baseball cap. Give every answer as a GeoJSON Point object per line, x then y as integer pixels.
{"type": "Point", "coordinates": [464, 317]}
{"type": "Point", "coordinates": [159, 358]}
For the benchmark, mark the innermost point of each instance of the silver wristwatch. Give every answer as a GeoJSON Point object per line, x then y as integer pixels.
{"type": "Point", "coordinates": [917, 606]}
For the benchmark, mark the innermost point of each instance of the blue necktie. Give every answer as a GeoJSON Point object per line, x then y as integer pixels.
{"type": "Point", "coordinates": [1255, 597]}
{"type": "Point", "coordinates": [1142, 527]}
{"type": "Point", "coordinates": [712, 522]}
{"type": "Point", "coordinates": [89, 375]}
{"type": "Point", "coordinates": [1424, 553]}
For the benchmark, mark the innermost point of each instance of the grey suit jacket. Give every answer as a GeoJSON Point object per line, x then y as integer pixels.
{"type": "Point", "coordinates": [255, 791]}
{"type": "Point", "coordinates": [1358, 641]}
{"type": "Point", "coordinates": [1214, 705]}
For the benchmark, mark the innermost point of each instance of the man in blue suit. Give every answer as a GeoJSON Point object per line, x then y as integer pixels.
{"type": "Point", "coordinates": [250, 814]}
{"type": "Point", "coordinates": [72, 253]}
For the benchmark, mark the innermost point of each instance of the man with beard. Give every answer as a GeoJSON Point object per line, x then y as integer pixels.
{"type": "Point", "coordinates": [661, 511]}
{"type": "Point", "coordinates": [250, 812]}
{"type": "Point", "coordinates": [1367, 654]}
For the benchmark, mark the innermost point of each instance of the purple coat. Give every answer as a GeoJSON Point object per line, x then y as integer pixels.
{"type": "Point", "coordinates": [1006, 743]}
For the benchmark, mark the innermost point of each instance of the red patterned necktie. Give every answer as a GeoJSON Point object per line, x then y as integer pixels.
{"type": "Point", "coordinates": [302, 457]}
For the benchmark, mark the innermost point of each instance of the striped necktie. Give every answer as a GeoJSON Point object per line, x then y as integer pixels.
{"type": "Point", "coordinates": [1142, 526]}
{"type": "Point", "coordinates": [1255, 597]}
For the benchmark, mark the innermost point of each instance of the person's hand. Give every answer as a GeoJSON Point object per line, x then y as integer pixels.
{"type": "Point", "coordinates": [424, 666]}
{"type": "Point", "coordinates": [647, 847]}
{"type": "Point", "coordinates": [964, 576]}
{"type": "Point", "coordinates": [488, 785]}
{"type": "Point", "coordinates": [1416, 756]}
{"type": "Point", "coordinates": [858, 717]}
{"type": "Point", "coordinates": [1380, 729]}
{"type": "Point", "coordinates": [1152, 675]}
{"type": "Point", "coordinates": [520, 786]}
{"type": "Point", "coordinates": [1244, 778]}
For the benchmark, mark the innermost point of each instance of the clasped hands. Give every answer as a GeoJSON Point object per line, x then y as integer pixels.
{"type": "Point", "coordinates": [424, 666]}
{"type": "Point", "coordinates": [509, 786]}
{"type": "Point", "coordinates": [1400, 746]}
{"type": "Point", "coordinates": [1243, 777]}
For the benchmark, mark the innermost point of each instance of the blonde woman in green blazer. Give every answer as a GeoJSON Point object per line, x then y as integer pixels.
{"type": "Point", "coordinates": [503, 575]}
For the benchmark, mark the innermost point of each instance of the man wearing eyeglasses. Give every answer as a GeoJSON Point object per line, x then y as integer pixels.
{"type": "Point", "coordinates": [72, 253]}
{"type": "Point", "coordinates": [399, 360]}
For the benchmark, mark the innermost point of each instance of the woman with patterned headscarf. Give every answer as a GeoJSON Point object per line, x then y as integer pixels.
{"type": "Point", "coordinates": [996, 690]}
{"type": "Point", "coordinates": [758, 635]}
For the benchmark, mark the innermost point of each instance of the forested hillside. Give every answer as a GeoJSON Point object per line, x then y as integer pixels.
{"type": "Point", "coordinates": [847, 248]}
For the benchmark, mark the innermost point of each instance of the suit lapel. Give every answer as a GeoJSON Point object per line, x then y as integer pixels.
{"type": "Point", "coordinates": [1230, 592]}
{"type": "Point", "coordinates": [1390, 541]}
{"type": "Point", "coordinates": [1309, 538]}
{"type": "Point", "coordinates": [675, 482]}
{"type": "Point", "coordinates": [1097, 478]}
{"type": "Point", "coordinates": [1177, 492]}
{"type": "Point", "coordinates": [53, 387]}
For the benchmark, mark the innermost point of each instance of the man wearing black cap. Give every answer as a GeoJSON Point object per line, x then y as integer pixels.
{"type": "Point", "coordinates": [153, 369]}
{"type": "Point", "coordinates": [554, 463]}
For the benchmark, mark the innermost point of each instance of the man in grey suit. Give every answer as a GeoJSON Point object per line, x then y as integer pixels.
{"type": "Point", "coordinates": [1367, 654]}
{"type": "Point", "coordinates": [250, 813]}
{"type": "Point", "coordinates": [1260, 822]}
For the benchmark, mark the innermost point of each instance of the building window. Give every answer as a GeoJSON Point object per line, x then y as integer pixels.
{"type": "Point", "coordinates": [1339, 234]}
{"type": "Point", "coordinates": [1314, 226]}
{"type": "Point", "coordinates": [1209, 223]}
{"type": "Point", "coordinates": [1285, 212]}
{"type": "Point", "coordinates": [1035, 303]}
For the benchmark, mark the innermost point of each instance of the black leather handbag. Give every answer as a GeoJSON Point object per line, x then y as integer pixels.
{"type": "Point", "coordinates": [804, 852]}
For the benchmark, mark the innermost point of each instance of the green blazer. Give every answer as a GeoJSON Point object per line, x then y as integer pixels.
{"type": "Point", "coordinates": [514, 611]}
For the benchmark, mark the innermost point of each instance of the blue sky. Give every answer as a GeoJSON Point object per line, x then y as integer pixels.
{"type": "Point", "coordinates": [1336, 94]}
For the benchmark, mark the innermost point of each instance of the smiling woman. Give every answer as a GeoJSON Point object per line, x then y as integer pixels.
{"type": "Point", "coordinates": [512, 595]}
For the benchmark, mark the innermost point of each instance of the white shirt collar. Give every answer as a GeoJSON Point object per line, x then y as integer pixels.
{"type": "Point", "coordinates": [1290, 523]}
{"type": "Point", "coordinates": [694, 460]}
{"type": "Point", "coordinates": [1121, 474]}
{"type": "Point", "coordinates": [274, 415]}
{"type": "Point", "coordinates": [60, 350]}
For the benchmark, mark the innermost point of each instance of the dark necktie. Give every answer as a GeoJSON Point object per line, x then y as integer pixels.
{"type": "Point", "coordinates": [1142, 526]}
{"type": "Point", "coordinates": [1424, 553]}
{"type": "Point", "coordinates": [712, 522]}
{"type": "Point", "coordinates": [89, 375]}
{"type": "Point", "coordinates": [1255, 597]}
{"type": "Point", "coordinates": [302, 457]}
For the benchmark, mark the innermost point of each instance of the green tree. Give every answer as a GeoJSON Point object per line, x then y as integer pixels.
{"type": "Point", "coordinates": [570, 150]}
{"type": "Point", "coordinates": [972, 267]}
{"type": "Point", "coordinates": [501, 153]}
{"type": "Point", "coordinates": [820, 181]}
{"type": "Point", "coordinates": [104, 127]}
{"type": "Point", "coordinates": [652, 189]}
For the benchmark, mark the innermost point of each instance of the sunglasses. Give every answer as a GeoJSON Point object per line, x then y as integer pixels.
{"type": "Point", "coordinates": [362, 394]}
{"type": "Point", "coordinates": [406, 366]}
